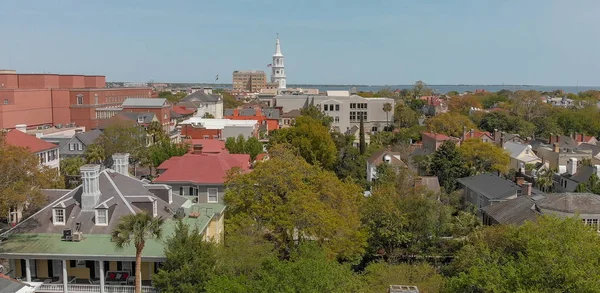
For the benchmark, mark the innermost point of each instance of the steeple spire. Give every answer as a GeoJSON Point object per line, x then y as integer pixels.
{"type": "Point", "coordinates": [277, 67]}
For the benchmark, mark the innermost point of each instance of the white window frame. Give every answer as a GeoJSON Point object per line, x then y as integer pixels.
{"type": "Point", "coordinates": [155, 208]}
{"type": "Point", "coordinates": [55, 216]}
{"type": "Point", "coordinates": [79, 100]}
{"type": "Point", "coordinates": [79, 146]}
{"type": "Point", "coordinates": [98, 212]}
{"type": "Point", "coordinates": [208, 195]}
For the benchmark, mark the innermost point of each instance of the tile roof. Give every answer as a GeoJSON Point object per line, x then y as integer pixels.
{"type": "Point", "coordinates": [514, 211]}
{"type": "Point", "coordinates": [183, 110]}
{"type": "Point", "coordinates": [490, 186]}
{"type": "Point", "coordinates": [34, 144]}
{"type": "Point", "coordinates": [201, 168]}
{"type": "Point", "coordinates": [584, 203]}
{"type": "Point", "coordinates": [144, 103]}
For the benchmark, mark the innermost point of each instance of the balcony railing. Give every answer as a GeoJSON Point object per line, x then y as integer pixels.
{"type": "Point", "coordinates": [83, 288]}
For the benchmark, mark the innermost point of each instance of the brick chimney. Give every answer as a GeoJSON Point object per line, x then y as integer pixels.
{"type": "Point", "coordinates": [556, 148]}
{"type": "Point", "coordinates": [527, 187]}
{"type": "Point", "coordinates": [520, 180]}
{"type": "Point", "coordinates": [197, 149]}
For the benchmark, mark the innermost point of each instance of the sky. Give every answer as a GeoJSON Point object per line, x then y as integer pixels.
{"type": "Point", "coordinates": [376, 42]}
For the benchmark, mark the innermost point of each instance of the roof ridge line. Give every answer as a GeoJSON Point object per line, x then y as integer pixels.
{"type": "Point", "coordinates": [119, 192]}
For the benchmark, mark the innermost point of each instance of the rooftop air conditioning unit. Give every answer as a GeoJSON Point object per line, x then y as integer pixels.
{"type": "Point", "coordinates": [68, 234]}
{"type": "Point", "coordinates": [77, 236]}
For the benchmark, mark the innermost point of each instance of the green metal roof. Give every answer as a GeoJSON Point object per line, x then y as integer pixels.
{"type": "Point", "coordinates": [48, 245]}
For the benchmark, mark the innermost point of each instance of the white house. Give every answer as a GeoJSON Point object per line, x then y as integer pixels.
{"type": "Point", "coordinates": [205, 103]}
{"type": "Point", "coordinates": [520, 155]}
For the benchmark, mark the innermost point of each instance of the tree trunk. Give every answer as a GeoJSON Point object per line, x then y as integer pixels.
{"type": "Point", "coordinates": [138, 268]}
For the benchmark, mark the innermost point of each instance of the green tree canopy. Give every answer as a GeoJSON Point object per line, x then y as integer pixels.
{"type": "Point", "coordinates": [316, 113]}
{"type": "Point", "coordinates": [190, 264]}
{"type": "Point", "coordinates": [69, 169]}
{"type": "Point", "coordinates": [448, 165]}
{"type": "Point", "coordinates": [311, 139]}
{"type": "Point", "coordinates": [484, 157]}
{"type": "Point", "coordinates": [450, 123]}
{"type": "Point", "coordinates": [252, 146]}
{"type": "Point", "coordinates": [293, 201]}
{"type": "Point", "coordinates": [123, 138]}
{"type": "Point", "coordinates": [552, 255]}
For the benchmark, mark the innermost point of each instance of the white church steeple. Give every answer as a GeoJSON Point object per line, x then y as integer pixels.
{"type": "Point", "coordinates": [277, 68]}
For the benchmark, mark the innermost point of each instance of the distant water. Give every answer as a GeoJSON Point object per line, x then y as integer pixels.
{"type": "Point", "coordinates": [442, 89]}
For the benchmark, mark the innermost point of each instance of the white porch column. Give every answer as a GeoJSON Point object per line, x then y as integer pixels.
{"type": "Point", "coordinates": [27, 270]}
{"type": "Point", "coordinates": [65, 277]}
{"type": "Point", "coordinates": [101, 265]}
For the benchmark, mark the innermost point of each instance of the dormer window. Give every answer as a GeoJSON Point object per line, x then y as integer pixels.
{"type": "Point", "coordinates": [58, 216]}
{"type": "Point", "coordinates": [101, 217]}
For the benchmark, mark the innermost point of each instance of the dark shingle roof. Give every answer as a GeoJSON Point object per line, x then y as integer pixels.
{"type": "Point", "coordinates": [585, 203]}
{"type": "Point", "coordinates": [9, 285]}
{"type": "Point", "coordinates": [514, 211]}
{"type": "Point", "coordinates": [490, 186]}
{"type": "Point", "coordinates": [588, 146]}
{"type": "Point", "coordinates": [583, 174]}
{"type": "Point", "coordinates": [88, 137]}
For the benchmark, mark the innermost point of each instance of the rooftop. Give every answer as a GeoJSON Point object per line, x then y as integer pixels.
{"type": "Point", "coordinates": [34, 144]}
{"type": "Point", "coordinates": [210, 145]}
{"type": "Point", "coordinates": [514, 211]}
{"type": "Point", "coordinates": [490, 186]}
{"type": "Point", "coordinates": [213, 123]}
{"type": "Point", "coordinates": [144, 103]}
{"type": "Point", "coordinates": [201, 168]}
{"type": "Point", "coordinates": [584, 203]}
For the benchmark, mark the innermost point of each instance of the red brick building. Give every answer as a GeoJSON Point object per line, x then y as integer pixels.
{"type": "Point", "coordinates": [40, 99]}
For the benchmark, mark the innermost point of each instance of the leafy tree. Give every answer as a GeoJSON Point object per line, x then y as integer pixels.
{"type": "Point", "coordinates": [362, 144]}
{"type": "Point", "coordinates": [69, 169]}
{"type": "Point", "coordinates": [503, 121]}
{"type": "Point", "coordinates": [449, 123]}
{"type": "Point", "coordinates": [484, 157]}
{"type": "Point", "coordinates": [448, 165]}
{"type": "Point", "coordinates": [22, 178]}
{"type": "Point", "coordinates": [293, 201]}
{"type": "Point", "coordinates": [311, 139]}
{"type": "Point", "coordinates": [156, 132]}
{"type": "Point", "coordinates": [95, 154]}
{"type": "Point", "coordinates": [378, 276]}
{"type": "Point", "coordinates": [252, 146]}
{"type": "Point", "coordinates": [463, 104]}
{"type": "Point", "coordinates": [123, 138]}
{"type": "Point", "coordinates": [190, 264]}
{"type": "Point", "coordinates": [316, 113]}
{"type": "Point", "coordinates": [208, 115]}
{"type": "Point", "coordinates": [164, 150]}
{"type": "Point", "coordinates": [351, 165]}
{"type": "Point", "coordinates": [528, 105]}
{"type": "Point", "coordinates": [420, 88]}
{"type": "Point", "coordinates": [173, 98]}
{"type": "Point", "coordinates": [135, 229]}
{"type": "Point", "coordinates": [405, 116]}
{"type": "Point", "coordinates": [387, 108]}
{"type": "Point", "coordinates": [545, 180]}
{"type": "Point", "coordinates": [229, 101]}
{"type": "Point", "coordinates": [550, 255]}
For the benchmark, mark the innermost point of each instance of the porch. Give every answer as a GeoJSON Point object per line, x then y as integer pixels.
{"type": "Point", "coordinates": [73, 276]}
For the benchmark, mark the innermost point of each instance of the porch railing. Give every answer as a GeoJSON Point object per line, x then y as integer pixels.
{"type": "Point", "coordinates": [83, 288]}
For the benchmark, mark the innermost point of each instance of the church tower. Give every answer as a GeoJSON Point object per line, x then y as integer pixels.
{"type": "Point", "coordinates": [277, 68]}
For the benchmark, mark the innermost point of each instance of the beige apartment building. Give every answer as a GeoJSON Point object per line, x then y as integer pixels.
{"type": "Point", "coordinates": [249, 80]}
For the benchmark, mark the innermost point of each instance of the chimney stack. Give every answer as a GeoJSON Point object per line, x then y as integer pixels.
{"type": "Point", "coordinates": [520, 180]}
{"type": "Point", "coordinates": [197, 149]}
{"type": "Point", "coordinates": [527, 189]}
{"type": "Point", "coordinates": [91, 186]}
{"type": "Point", "coordinates": [556, 147]}
{"type": "Point", "coordinates": [572, 166]}
{"type": "Point", "coordinates": [121, 163]}
{"type": "Point", "coordinates": [495, 134]}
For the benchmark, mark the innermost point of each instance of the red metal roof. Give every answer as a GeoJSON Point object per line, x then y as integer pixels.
{"type": "Point", "coordinates": [182, 110]}
{"type": "Point", "coordinates": [24, 140]}
{"type": "Point", "coordinates": [202, 168]}
{"type": "Point", "coordinates": [213, 146]}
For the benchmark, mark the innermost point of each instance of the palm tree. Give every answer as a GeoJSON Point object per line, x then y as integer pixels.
{"type": "Point", "coordinates": [387, 108]}
{"type": "Point", "coordinates": [94, 154]}
{"type": "Point", "coordinates": [545, 180]}
{"type": "Point", "coordinates": [137, 228]}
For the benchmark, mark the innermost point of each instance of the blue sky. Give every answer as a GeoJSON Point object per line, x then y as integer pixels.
{"type": "Point", "coordinates": [544, 42]}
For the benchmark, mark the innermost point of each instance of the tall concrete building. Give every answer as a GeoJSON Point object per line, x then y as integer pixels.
{"type": "Point", "coordinates": [249, 80]}
{"type": "Point", "coordinates": [277, 67]}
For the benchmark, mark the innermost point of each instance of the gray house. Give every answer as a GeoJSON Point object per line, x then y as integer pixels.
{"type": "Point", "coordinates": [487, 189]}
{"type": "Point", "coordinates": [76, 145]}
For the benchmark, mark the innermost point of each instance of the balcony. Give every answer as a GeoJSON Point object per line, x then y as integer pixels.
{"type": "Point", "coordinates": [84, 288]}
